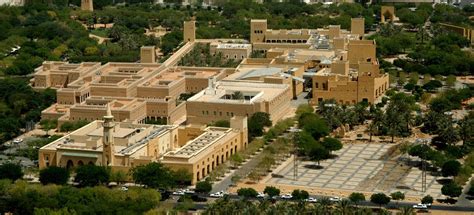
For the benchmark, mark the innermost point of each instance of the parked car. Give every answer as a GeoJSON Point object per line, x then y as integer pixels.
{"type": "Point", "coordinates": [420, 206]}
{"type": "Point", "coordinates": [311, 200]}
{"type": "Point", "coordinates": [219, 194]}
{"type": "Point", "coordinates": [286, 196]}
{"type": "Point", "coordinates": [124, 188]}
{"type": "Point", "coordinates": [261, 195]}
{"type": "Point", "coordinates": [335, 199]}
{"type": "Point", "coordinates": [18, 141]}
{"type": "Point", "coordinates": [179, 192]}
{"type": "Point", "coordinates": [188, 191]}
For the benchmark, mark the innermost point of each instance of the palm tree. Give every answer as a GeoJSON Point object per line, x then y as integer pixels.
{"type": "Point", "coordinates": [344, 207]}
{"type": "Point", "coordinates": [372, 128]}
{"type": "Point", "coordinates": [325, 205]}
{"type": "Point", "coordinates": [237, 95]}
{"type": "Point", "coordinates": [406, 211]}
{"type": "Point", "coordinates": [364, 211]}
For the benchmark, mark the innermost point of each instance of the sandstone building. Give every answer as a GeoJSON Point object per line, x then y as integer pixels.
{"type": "Point", "coordinates": [124, 145]}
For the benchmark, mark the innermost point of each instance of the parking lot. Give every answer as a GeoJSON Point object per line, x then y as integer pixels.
{"type": "Point", "coordinates": [360, 167]}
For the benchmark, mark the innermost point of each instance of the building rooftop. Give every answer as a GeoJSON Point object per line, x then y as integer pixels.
{"type": "Point", "coordinates": [128, 137]}
{"type": "Point", "coordinates": [233, 46]}
{"type": "Point", "coordinates": [252, 92]}
{"type": "Point", "coordinates": [203, 141]}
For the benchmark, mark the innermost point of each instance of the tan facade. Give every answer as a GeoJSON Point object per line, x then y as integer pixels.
{"type": "Point", "coordinates": [122, 146]}
{"type": "Point", "coordinates": [87, 5]}
{"type": "Point", "coordinates": [189, 31]}
{"type": "Point", "coordinates": [216, 102]}
{"type": "Point", "coordinates": [358, 26]}
{"type": "Point", "coordinates": [231, 51]}
{"type": "Point", "coordinates": [465, 32]}
{"type": "Point", "coordinates": [387, 12]}
{"type": "Point", "coordinates": [349, 86]}
{"type": "Point", "coordinates": [147, 54]}
{"type": "Point", "coordinates": [361, 51]}
{"type": "Point", "coordinates": [139, 92]}
{"type": "Point", "coordinates": [258, 28]}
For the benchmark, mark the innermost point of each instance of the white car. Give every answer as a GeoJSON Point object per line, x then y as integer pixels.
{"type": "Point", "coordinates": [124, 188]}
{"type": "Point", "coordinates": [311, 200]}
{"type": "Point", "coordinates": [335, 199]}
{"type": "Point", "coordinates": [286, 196]}
{"type": "Point", "coordinates": [17, 141]}
{"type": "Point", "coordinates": [219, 194]}
{"type": "Point", "coordinates": [178, 192]}
{"type": "Point", "coordinates": [261, 195]}
{"type": "Point", "coordinates": [188, 191]}
{"type": "Point", "coordinates": [420, 206]}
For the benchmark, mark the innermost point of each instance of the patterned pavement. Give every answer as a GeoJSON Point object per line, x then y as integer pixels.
{"type": "Point", "coordinates": [360, 167]}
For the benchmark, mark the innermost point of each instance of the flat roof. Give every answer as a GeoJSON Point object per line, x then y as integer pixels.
{"type": "Point", "coordinates": [256, 90]}
{"type": "Point", "coordinates": [195, 146]}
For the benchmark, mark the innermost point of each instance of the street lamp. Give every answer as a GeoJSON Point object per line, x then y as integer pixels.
{"type": "Point", "coordinates": [294, 131]}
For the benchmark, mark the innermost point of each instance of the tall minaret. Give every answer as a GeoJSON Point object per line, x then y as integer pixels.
{"type": "Point", "coordinates": [108, 152]}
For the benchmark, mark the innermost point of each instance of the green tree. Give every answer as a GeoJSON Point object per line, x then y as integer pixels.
{"type": "Point", "coordinates": [356, 198]}
{"type": "Point", "coordinates": [379, 199]}
{"type": "Point", "coordinates": [451, 189]}
{"type": "Point", "coordinates": [91, 175]}
{"type": "Point", "coordinates": [300, 194]}
{"type": "Point", "coordinates": [406, 211]}
{"type": "Point", "coordinates": [10, 171]}
{"type": "Point", "coordinates": [427, 200]}
{"type": "Point", "coordinates": [318, 153]}
{"type": "Point", "coordinates": [222, 123]}
{"type": "Point", "coordinates": [271, 191]}
{"type": "Point", "coordinates": [118, 176]}
{"type": "Point", "coordinates": [450, 80]}
{"type": "Point", "coordinates": [54, 175]}
{"type": "Point", "coordinates": [397, 196]}
{"type": "Point", "coordinates": [247, 192]}
{"type": "Point", "coordinates": [182, 176]}
{"type": "Point", "coordinates": [257, 122]}
{"type": "Point", "coordinates": [451, 168]}
{"type": "Point", "coordinates": [153, 175]}
{"type": "Point", "coordinates": [313, 125]}
{"type": "Point", "coordinates": [331, 144]}
{"type": "Point", "coordinates": [236, 159]}
{"type": "Point", "coordinates": [303, 108]}
{"type": "Point", "coordinates": [203, 186]}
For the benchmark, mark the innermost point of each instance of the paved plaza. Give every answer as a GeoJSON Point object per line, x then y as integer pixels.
{"type": "Point", "coordinates": [360, 167]}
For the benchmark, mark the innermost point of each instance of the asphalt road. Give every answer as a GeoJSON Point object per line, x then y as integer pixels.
{"type": "Point", "coordinates": [392, 204]}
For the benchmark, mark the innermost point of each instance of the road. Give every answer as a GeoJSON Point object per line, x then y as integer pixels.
{"type": "Point", "coordinates": [391, 205]}
{"type": "Point", "coordinates": [243, 171]}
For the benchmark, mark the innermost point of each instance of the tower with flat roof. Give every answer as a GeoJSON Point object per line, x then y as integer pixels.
{"type": "Point", "coordinates": [357, 26]}
{"type": "Point", "coordinates": [258, 27]}
{"type": "Point", "coordinates": [189, 31]}
{"type": "Point", "coordinates": [147, 54]}
{"type": "Point", "coordinates": [87, 5]}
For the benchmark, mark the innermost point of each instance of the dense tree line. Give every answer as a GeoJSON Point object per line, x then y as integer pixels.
{"type": "Point", "coordinates": [19, 104]}
{"type": "Point", "coordinates": [23, 198]}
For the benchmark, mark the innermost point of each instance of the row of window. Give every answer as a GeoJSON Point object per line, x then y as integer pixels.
{"type": "Point", "coordinates": [220, 113]}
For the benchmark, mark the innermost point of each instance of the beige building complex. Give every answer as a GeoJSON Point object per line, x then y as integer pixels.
{"type": "Point", "coordinates": [137, 92]}
{"type": "Point", "coordinates": [263, 39]}
{"type": "Point", "coordinates": [123, 145]}
{"type": "Point", "coordinates": [340, 64]}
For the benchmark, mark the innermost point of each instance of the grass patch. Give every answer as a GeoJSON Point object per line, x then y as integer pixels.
{"type": "Point", "coordinates": [101, 32]}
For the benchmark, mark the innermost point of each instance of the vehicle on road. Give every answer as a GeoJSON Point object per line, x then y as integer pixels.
{"type": "Point", "coordinates": [188, 191]}
{"type": "Point", "coordinates": [420, 206]}
{"type": "Point", "coordinates": [311, 200]}
{"type": "Point", "coordinates": [261, 195]}
{"type": "Point", "coordinates": [178, 193]}
{"type": "Point", "coordinates": [18, 141]}
{"type": "Point", "coordinates": [124, 188]}
{"type": "Point", "coordinates": [286, 196]}
{"type": "Point", "coordinates": [335, 199]}
{"type": "Point", "coordinates": [219, 194]}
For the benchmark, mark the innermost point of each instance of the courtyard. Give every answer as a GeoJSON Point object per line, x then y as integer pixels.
{"type": "Point", "coordinates": [361, 168]}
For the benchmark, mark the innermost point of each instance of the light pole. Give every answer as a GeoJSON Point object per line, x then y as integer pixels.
{"type": "Point", "coordinates": [294, 131]}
